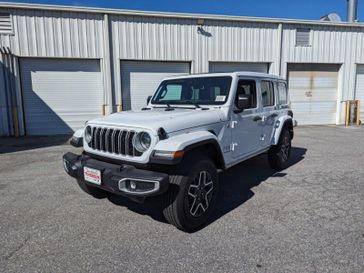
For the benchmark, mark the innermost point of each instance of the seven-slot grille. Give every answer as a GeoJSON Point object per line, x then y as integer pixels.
{"type": "Point", "coordinates": [115, 141]}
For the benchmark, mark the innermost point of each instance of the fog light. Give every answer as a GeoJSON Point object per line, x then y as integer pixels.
{"type": "Point", "coordinates": [138, 186]}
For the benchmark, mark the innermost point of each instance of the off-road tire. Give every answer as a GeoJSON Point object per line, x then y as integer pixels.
{"type": "Point", "coordinates": [278, 155]}
{"type": "Point", "coordinates": [178, 201]}
{"type": "Point", "coordinates": [93, 191]}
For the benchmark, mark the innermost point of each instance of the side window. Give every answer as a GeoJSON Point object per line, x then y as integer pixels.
{"type": "Point", "coordinates": [248, 89]}
{"type": "Point", "coordinates": [267, 93]}
{"type": "Point", "coordinates": [282, 93]}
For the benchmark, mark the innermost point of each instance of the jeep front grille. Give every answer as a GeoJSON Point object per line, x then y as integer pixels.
{"type": "Point", "coordinates": [114, 141]}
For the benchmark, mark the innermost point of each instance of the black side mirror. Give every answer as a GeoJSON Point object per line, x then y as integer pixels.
{"type": "Point", "coordinates": [243, 103]}
{"type": "Point", "coordinates": [148, 99]}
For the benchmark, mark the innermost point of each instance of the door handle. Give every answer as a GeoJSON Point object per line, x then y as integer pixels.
{"type": "Point", "coordinates": [273, 115]}
{"type": "Point", "coordinates": [257, 118]}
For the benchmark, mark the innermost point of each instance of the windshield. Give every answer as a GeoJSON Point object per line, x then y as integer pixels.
{"type": "Point", "coordinates": [204, 90]}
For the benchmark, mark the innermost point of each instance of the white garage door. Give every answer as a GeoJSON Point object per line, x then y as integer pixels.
{"type": "Point", "coordinates": [359, 89]}
{"type": "Point", "coordinates": [313, 92]}
{"type": "Point", "coordinates": [140, 79]}
{"type": "Point", "coordinates": [60, 95]}
{"type": "Point", "coordinates": [215, 67]}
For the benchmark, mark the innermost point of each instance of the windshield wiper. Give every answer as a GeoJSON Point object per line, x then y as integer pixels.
{"type": "Point", "coordinates": [168, 107]}
{"type": "Point", "coordinates": [195, 104]}
{"type": "Point", "coordinates": [192, 103]}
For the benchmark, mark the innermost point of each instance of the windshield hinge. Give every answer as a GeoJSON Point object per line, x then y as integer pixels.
{"type": "Point", "coordinates": [233, 123]}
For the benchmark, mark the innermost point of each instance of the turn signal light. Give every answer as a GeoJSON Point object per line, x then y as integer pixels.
{"type": "Point", "coordinates": [169, 154]}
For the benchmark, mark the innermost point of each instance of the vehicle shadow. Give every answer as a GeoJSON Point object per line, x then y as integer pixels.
{"type": "Point", "coordinates": [11, 144]}
{"type": "Point", "coordinates": [235, 187]}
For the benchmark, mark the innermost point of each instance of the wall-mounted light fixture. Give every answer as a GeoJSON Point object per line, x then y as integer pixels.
{"type": "Point", "coordinates": [200, 23]}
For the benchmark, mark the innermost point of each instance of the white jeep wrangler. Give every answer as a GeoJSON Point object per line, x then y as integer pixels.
{"type": "Point", "coordinates": [192, 127]}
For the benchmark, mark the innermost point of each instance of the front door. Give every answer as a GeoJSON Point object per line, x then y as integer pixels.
{"type": "Point", "coordinates": [246, 127]}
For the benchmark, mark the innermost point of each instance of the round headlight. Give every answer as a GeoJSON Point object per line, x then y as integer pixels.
{"type": "Point", "coordinates": [88, 134]}
{"type": "Point", "coordinates": [142, 141]}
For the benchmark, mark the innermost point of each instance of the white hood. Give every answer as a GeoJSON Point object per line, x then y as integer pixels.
{"type": "Point", "coordinates": [171, 121]}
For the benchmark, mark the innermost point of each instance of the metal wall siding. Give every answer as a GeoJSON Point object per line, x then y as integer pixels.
{"type": "Point", "coordinates": [177, 39]}
{"type": "Point", "coordinates": [328, 44]}
{"type": "Point", "coordinates": [242, 42]}
{"type": "Point", "coordinates": [57, 34]}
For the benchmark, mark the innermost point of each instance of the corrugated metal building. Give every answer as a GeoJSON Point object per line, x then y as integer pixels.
{"type": "Point", "coordinates": [60, 66]}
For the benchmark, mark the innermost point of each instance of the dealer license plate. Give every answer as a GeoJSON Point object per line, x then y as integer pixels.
{"type": "Point", "coordinates": [92, 175]}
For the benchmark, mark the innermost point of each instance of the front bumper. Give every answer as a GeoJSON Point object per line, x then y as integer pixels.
{"type": "Point", "coordinates": [118, 178]}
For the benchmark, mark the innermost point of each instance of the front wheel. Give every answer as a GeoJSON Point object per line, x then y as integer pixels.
{"type": "Point", "coordinates": [192, 195]}
{"type": "Point", "coordinates": [278, 155]}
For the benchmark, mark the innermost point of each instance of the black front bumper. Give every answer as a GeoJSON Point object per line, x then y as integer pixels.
{"type": "Point", "coordinates": [114, 175]}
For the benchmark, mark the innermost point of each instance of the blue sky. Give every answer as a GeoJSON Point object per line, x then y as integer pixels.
{"type": "Point", "coordinates": [303, 9]}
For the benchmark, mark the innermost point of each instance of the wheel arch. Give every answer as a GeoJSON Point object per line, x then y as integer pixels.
{"type": "Point", "coordinates": [202, 142]}
{"type": "Point", "coordinates": [285, 122]}
{"type": "Point", "coordinates": [209, 148]}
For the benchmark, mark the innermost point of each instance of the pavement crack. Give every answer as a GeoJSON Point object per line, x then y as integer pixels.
{"type": "Point", "coordinates": [12, 253]}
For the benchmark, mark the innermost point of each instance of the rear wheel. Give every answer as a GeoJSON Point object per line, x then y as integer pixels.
{"type": "Point", "coordinates": [192, 195]}
{"type": "Point", "coordinates": [95, 192]}
{"type": "Point", "coordinates": [278, 155]}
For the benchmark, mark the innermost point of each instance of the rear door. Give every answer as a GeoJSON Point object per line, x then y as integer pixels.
{"type": "Point", "coordinates": [246, 129]}
{"type": "Point", "coordinates": [269, 112]}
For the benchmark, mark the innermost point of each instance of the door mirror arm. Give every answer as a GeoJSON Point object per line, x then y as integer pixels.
{"type": "Point", "coordinates": [238, 111]}
{"type": "Point", "coordinates": [148, 99]}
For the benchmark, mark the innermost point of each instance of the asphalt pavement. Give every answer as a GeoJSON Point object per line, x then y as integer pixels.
{"type": "Point", "coordinates": [307, 218]}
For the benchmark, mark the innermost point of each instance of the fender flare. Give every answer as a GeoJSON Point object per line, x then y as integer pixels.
{"type": "Point", "coordinates": [278, 127]}
{"type": "Point", "coordinates": [189, 141]}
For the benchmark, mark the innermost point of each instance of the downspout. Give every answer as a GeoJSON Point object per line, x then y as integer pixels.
{"type": "Point", "coordinates": [14, 104]}
{"type": "Point", "coordinates": [107, 107]}
{"type": "Point", "coordinates": [280, 48]}
{"type": "Point", "coordinates": [6, 90]}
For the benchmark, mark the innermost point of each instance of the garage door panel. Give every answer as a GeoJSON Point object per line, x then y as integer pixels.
{"type": "Point", "coordinates": [141, 79]}
{"type": "Point", "coordinates": [315, 117]}
{"type": "Point", "coordinates": [313, 93]}
{"type": "Point", "coordinates": [215, 67]}
{"type": "Point", "coordinates": [359, 89]}
{"type": "Point", "coordinates": [60, 95]}
{"type": "Point", "coordinates": [324, 94]}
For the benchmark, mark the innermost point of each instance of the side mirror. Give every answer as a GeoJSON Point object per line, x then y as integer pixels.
{"type": "Point", "coordinates": [243, 103]}
{"type": "Point", "coordinates": [148, 99]}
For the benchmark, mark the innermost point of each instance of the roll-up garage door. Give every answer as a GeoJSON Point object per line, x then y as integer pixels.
{"type": "Point", "coordinates": [313, 90]}
{"type": "Point", "coordinates": [60, 95]}
{"type": "Point", "coordinates": [215, 67]}
{"type": "Point", "coordinates": [359, 89]}
{"type": "Point", "coordinates": [140, 79]}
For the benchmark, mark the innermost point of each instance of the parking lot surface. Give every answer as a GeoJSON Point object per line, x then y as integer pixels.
{"type": "Point", "coordinates": [307, 218]}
